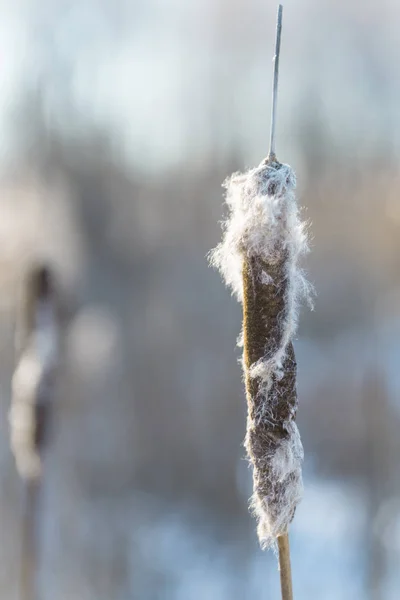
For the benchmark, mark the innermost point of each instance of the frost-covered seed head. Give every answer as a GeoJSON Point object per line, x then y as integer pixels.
{"type": "Point", "coordinates": [258, 258]}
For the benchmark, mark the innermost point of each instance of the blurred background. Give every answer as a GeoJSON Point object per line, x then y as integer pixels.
{"type": "Point", "coordinates": [119, 121]}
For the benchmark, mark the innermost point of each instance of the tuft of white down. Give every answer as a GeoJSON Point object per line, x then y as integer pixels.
{"type": "Point", "coordinates": [264, 222]}
{"type": "Point", "coordinates": [274, 516]}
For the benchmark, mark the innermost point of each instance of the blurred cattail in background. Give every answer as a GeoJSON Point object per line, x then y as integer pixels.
{"type": "Point", "coordinates": [258, 257]}
{"type": "Point", "coordinates": [37, 355]}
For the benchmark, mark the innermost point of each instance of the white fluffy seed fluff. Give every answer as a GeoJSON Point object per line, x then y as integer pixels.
{"type": "Point", "coordinates": [264, 222]}
{"type": "Point", "coordinates": [285, 469]}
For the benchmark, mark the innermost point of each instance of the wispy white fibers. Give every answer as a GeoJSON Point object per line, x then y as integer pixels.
{"type": "Point", "coordinates": [263, 221]}
{"type": "Point", "coordinates": [264, 228]}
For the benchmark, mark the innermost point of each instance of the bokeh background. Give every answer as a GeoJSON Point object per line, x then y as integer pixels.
{"type": "Point", "coordinates": [119, 121]}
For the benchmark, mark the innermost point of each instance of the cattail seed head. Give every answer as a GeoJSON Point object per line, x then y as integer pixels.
{"type": "Point", "coordinates": [37, 347]}
{"type": "Point", "coordinates": [258, 258]}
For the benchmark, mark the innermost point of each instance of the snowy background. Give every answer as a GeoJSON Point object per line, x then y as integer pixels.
{"type": "Point", "coordinates": [119, 121]}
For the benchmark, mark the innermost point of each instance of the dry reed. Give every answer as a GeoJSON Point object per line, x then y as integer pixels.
{"type": "Point", "coordinates": [37, 353]}
{"type": "Point", "coordinates": [258, 257]}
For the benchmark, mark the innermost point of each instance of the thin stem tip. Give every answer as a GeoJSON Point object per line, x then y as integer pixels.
{"type": "Point", "coordinates": [272, 155]}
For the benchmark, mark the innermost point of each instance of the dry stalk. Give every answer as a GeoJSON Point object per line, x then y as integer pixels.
{"type": "Point", "coordinates": [258, 258]}
{"type": "Point", "coordinates": [284, 567]}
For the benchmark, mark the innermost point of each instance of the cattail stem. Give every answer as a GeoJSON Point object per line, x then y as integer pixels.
{"type": "Point", "coordinates": [29, 549]}
{"type": "Point", "coordinates": [283, 541]}
{"type": "Point", "coordinates": [263, 238]}
{"type": "Point", "coordinates": [272, 154]}
{"type": "Point", "coordinates": [284, 567]}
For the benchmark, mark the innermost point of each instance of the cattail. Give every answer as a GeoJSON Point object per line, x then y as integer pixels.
{"type": "Point", "coordinates": [258, 258]}
{"type": "Point", "coordinates": [37, 350]}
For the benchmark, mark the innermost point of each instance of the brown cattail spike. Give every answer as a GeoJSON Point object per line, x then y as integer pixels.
{"type": "Point", "coordinates": [258, 258]}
